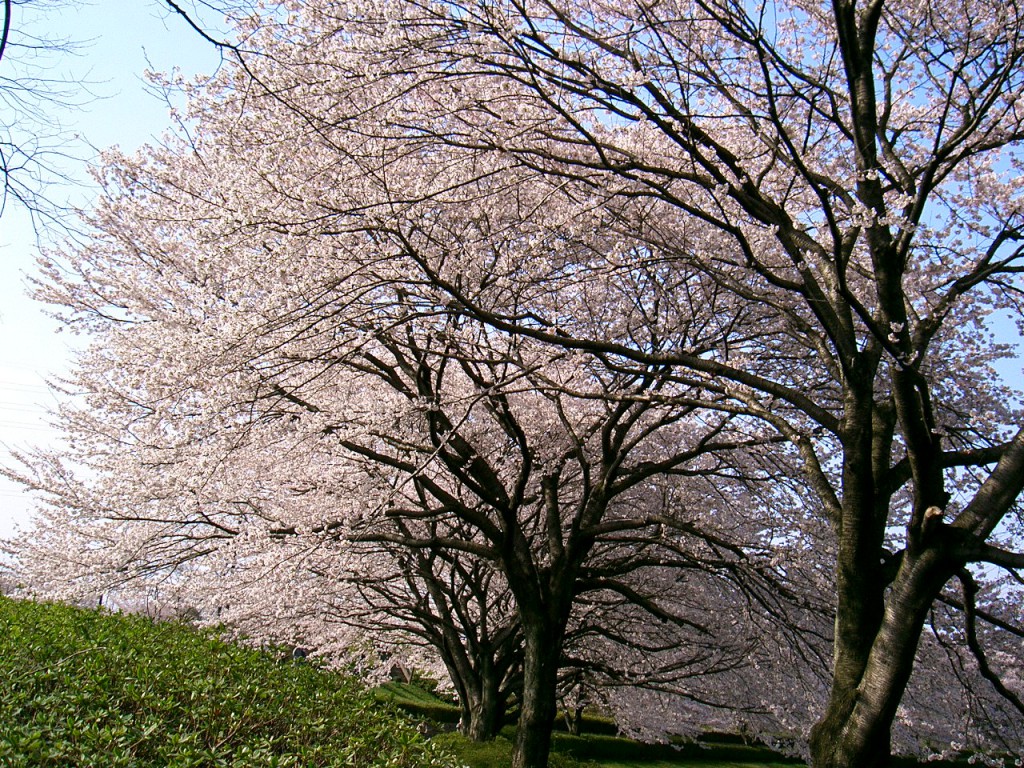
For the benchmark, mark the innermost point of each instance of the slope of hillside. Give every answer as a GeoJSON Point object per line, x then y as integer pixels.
{"type": "Point", "coordinates": [94, 689]}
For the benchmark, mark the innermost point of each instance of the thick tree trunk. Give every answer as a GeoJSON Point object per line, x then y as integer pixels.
{"type": "Point", "coordinates": [855, 730]}
{"type": "Point", "coordinates": [539, 706]}
{"type": "Point", "coordinates": [483, 707]}
{"type": "Point", "coordinates": [482, 720]}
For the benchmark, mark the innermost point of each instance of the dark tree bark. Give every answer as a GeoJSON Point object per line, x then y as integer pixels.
{"type": "Point", "coordinates": [483, 702]}
{"type": "Point", "coordinates": [539, 706]}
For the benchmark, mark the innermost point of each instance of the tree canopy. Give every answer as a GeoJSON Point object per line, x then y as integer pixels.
{"type": "Point", "coordinates": [645, 300]}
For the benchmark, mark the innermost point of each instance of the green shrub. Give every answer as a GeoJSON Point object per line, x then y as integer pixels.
{"type": "Point", "coordinates": [81, 688]}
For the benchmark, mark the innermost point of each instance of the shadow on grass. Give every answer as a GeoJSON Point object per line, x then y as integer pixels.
{"type": "Point", "coordinates": [600, 751]}
{"type": "Point", "coordinates": [599, 746]}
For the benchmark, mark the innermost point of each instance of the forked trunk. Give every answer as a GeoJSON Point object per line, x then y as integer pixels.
{"type": "Point", "coordinates": [483, 712]}
{"type": "Point", "coordinates": [855, 731]}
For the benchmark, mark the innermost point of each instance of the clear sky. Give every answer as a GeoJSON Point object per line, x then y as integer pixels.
{"type": "Point", "coordinates": [118, 41]}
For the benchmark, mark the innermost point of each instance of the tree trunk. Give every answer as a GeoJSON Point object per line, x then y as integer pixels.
{"type": "Point", "coordinates": [573, 720]}
{"type": "Point", "coordinates": [483, 707]}
{"type": "Point", "coordinates": [855, 730]}
{"type": "Point", "coordinates": [539, 706]}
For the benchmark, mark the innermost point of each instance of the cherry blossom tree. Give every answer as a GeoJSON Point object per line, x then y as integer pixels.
{"type": "Point", "coordinates": [446, 614]}
{"type": "Point", "coordinates": [330, 392]}
{"type": "Point", "coordinates": [854, 167]}
{"type": "Point", "coordinates": [581, 247]}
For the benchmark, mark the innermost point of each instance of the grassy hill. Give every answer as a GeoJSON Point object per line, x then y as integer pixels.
{"type": "Point", "coordinates": [85, 689]}
{"type": "Point", "coordinates": [81, 688]}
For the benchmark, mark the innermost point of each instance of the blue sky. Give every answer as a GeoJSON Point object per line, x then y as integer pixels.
{"type": "Point", "coordinates": [117, 41]}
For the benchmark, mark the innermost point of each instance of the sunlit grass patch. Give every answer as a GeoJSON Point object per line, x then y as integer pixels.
{"type": "Point", "coordinates": [81, 688]}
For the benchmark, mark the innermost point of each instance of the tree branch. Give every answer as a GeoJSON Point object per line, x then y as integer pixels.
{"type": "Point", "coordinates": [970, 588]}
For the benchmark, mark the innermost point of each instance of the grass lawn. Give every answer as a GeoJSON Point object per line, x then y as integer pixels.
{"type": "Point", "coordinates": [598, 748]}
{"type": "Point", "coordinates": [599, 751]}
{"type": "Point", "coordinates": [596, 751]}
{"type": "Point", "coordinates": [690, 764]}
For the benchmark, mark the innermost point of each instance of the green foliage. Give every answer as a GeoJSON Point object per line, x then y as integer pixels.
{"type": "Point", "coordinates": [89, 689]}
